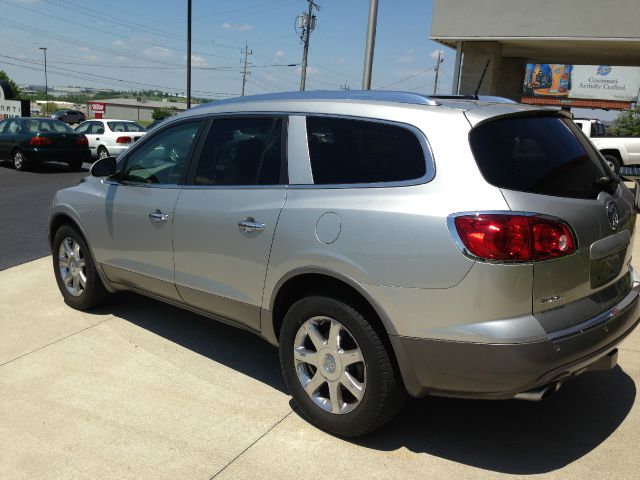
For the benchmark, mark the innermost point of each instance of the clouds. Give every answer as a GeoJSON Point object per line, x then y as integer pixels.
{"type": "Point", "coordinates": [238, 28]}
{"type": "Point", "coordinates": [434, 54]}
{"type": "Point", "coordinates": [406, 57]}
{"type": "Point", "coordinates": [120, 44]}
{"type": "Point", "coordinates": [157, 52]}
{"type": "Point", "coordinates": [197, 61]}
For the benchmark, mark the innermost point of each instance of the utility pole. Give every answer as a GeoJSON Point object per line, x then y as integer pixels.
{"type": "Point", "coordinates": [371, 43]}
{"type": "Point", "coordinates": [437, 69]}
{"type": "Point", "coordinates": [306, 22]}
{"type": "Point", "coordinates": [46, 84]}
{"type": "Point", "coordinates": [188, 54]}
{"type": "Point", "coordinates": [244, 72]}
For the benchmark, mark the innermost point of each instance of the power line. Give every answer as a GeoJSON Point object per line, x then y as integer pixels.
{"type": "Point", "coordinates": [405, 79]}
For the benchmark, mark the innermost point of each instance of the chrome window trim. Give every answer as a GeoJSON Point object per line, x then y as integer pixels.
{"type": "Point", "coordinates": [453, 232]}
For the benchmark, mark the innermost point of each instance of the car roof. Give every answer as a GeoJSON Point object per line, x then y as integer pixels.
{"type": "Point", "coordinates": [478, 108]}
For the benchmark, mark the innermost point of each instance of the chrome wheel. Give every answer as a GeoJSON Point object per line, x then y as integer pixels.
{"type": "Point", "coordinates": [103, 153]}
{"type": "Point", "coordinates": [329, 365]}
{"type": "Point", "coordinates": [18, 160]}
{"type": "Point", "coordinates": [72, 267]}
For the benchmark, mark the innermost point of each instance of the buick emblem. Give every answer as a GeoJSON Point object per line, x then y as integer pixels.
{"type": "Point", "coordinates": [612, 215]}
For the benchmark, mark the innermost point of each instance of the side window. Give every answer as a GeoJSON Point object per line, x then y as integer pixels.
{"type": "Point", "coordinates": [3, 125]}
{"type": "Point", "coordinates": [96, 128]}
{"type": "Point", "coordinates": [83, 128]}
{"type": "Point", "coordinates": [344, 151]}
{"type": "Point", "coordinates": [162, 158]}
{"type": "Point", "coordinates": [14, 127]}
{"type": "Point", "coordinates": [241, 151]}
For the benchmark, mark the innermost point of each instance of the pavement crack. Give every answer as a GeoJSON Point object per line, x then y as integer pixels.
{"type": "Point", "coordinates": [251, 445]}
{"type": "Point", "coordinates": [57, 341]}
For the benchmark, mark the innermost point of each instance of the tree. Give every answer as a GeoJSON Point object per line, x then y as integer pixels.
{"type": "Point", "coordinates": [163, 112]}
{"type": "Point", "coordinates": [627, 123]}
{"type": "Point", "coordinates": [12, 84]}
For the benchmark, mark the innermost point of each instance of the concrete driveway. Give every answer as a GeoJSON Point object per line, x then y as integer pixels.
{"type": "Point", "coordinates": [140, 389]}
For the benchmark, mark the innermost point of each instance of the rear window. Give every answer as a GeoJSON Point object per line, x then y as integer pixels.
{"type": "Point", "coordinates": [35, 125]}
{"type": "Point", "coordinates": [545, 155]}
{"type": "Point", "coordinates": [344, 151]}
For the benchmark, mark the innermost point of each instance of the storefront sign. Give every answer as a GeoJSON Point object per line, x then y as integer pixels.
{"type": "Point", "coordinates": [9, 107]}
{"type": "Point", "coordinates": [595, 82]}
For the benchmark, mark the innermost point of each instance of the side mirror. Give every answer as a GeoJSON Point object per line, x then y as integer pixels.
{"type": "Point", "coordinates": [105, 167]}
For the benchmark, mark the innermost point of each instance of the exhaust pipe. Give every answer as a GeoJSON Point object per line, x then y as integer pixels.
{"type": "Point", "coordinates": [538, 394]}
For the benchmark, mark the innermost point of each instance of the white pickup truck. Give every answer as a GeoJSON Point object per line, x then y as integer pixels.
{"type": "Point", "coordinates": [617, 151]}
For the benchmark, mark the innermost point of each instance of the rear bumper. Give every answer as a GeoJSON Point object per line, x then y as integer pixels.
{"type": "Point", "coordinates": [502, 370]}
{"type": "Point", "coordinates": [36, 155]}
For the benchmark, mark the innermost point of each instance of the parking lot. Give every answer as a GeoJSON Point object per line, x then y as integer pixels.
{"type": "Point", "coordinates": [139, 389]}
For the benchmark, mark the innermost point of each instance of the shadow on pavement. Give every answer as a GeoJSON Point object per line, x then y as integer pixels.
{"type": "Point", "coordinates": [54, 167]}
{"type": "Point", "coordinates": [230, 346]}
{"type": "Point", "coordinates": [513, 436]}
{"type": "Point", "coordinates": [510, 436]}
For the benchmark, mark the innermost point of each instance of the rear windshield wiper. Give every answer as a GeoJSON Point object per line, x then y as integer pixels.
{"type": "Point", "coordinates": [609, 182]}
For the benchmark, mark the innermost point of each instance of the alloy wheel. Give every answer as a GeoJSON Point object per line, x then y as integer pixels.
{"type": "Point", "coordinates": [330, 365]}
{"type": "Point", "coordinates": [18, 160]}
{"type": "Point", "coordinates": [72, 267]}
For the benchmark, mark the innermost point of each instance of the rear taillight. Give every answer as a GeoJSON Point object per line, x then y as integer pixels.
{"type": "Point", "coordinates": [514, 238]}
{"type": "Point", "coordinates": [82, 140]}
{"type": "Point", "coordinates": [123, 140]}
{"type": "Point", "coordinates": [40, 141]}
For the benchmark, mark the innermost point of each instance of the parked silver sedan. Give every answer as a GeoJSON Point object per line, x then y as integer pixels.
{"type": "Point", "coordinates": [389, 243]}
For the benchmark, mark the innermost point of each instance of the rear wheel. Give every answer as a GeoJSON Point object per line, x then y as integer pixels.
{"type": "Point", "coordinates": [20, 161]}
{"type": "Point", "coordinates": [102, 153]}
{"type": "Point", "coordinates": [75, 271]}
{"type": "Point", "coordinates": [337, 368]}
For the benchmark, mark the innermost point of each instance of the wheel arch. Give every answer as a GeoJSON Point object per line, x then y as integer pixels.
{"type": "Point", "coordinates": [307, 281]}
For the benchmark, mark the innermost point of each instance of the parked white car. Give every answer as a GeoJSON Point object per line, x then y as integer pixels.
{"type": "Point", "coordinates": [108, 137]}
{"type": "Point", "coordinates": [617, 151]}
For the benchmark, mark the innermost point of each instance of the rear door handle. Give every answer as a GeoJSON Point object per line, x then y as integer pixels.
{"type": "Point", "coordinates": [249, 225]}
{"type": "Point", "coordinates": [158, 217]}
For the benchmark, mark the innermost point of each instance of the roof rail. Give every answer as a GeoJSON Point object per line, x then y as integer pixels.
{"type": "Point", "coordinates": [365, 95]}
{"type": "Point", "coordinates": [482, 98]}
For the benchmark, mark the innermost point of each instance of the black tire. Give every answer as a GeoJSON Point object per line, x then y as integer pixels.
{"type": "Point", "coordinates": [20, 161]}
{"type": "Point", "coordinates": [76, 166]}
{"type": "Point", "coordinates": [384, 393]}
{"type": "Point", "coordinates": [93, 294]}
{"type": "Point", "coordinates": [613, 162]}
{"type": "Point", "coordinates": [102, 153]}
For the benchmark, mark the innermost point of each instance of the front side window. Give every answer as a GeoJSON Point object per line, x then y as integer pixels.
{"type": "Point", "coordinates": [83, 128]}
{"type": "Point", "coordinates": [161, 159]}
{"type": "Point", "coordinates": [241, 151]}
{"type": "Point", "coordinates": [96, 128]}
{"type": "Point", "coordinates": [345, 151]}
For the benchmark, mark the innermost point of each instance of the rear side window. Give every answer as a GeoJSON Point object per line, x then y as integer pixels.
{"type": "Point", "coordinates": [125, 127]}
{"type": "Point", "coordinates": [545, 155]}
{"type": "Point", "coordinates": [345, 151]}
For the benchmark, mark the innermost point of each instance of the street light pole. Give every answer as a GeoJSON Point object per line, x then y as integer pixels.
{"type": "Point", "coordinates": [46, 84]}
{"type": "Point", "coordinates": [189, 54]}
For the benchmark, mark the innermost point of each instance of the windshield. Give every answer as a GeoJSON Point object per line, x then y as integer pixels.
{"type": "Point", "coordinates": [547, 155]}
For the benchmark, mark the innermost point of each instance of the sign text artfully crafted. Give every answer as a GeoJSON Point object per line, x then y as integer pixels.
{"type": "Point", "coordinates": [9, 108]}
{"type": "Point", "coordinates": [596, 82]}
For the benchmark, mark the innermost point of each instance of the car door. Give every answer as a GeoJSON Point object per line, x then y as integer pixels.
{"type": "Point", "coordinates": [132, 237]}
{"type": "Point", "coordinates": [226, 217]}
{"type": "Point", "coordinates": [93, 133]}
{"type": "Point", "coordinates": [4, 140]}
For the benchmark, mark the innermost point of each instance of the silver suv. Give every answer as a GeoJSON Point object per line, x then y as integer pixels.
{"type": "Point", "coordinates": [387, 242]}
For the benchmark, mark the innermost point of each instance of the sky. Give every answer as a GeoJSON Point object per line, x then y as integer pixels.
{"type": "Point", "coordinates": [141, 44]}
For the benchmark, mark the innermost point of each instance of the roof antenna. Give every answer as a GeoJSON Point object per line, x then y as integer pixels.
{"type": "Point", "coordinates": [482, 79]}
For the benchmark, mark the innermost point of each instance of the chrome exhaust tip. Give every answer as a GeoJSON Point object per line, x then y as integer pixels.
{"type": "Point", "coordinates": [538, 394]}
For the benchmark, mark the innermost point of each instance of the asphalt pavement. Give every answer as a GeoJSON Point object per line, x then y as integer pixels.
{"type": "Point", "coordinates": [25, 198]}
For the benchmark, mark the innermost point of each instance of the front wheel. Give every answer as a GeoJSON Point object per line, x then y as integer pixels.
{"type": "Point", "coordinates": [337, 368]}
{"type": "Point", "coordinates": [75, 271]}
{"type": "Point", "coordinates": [613, 162]}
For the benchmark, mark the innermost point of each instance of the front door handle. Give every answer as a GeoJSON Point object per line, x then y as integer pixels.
{"type": "Point", "coordinates": [158, 217]}
{"type": "Point", "coordinates": [249, 225]}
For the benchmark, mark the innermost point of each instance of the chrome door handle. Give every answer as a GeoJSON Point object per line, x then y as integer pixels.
{"type": "Point", "coordinates": [249, 224]}
{"type": "Point", "coordinates": [158, 216]}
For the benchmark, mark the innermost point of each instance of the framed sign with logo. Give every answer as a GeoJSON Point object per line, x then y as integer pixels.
{"type": "Point", "coordinates": [10, 107]}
